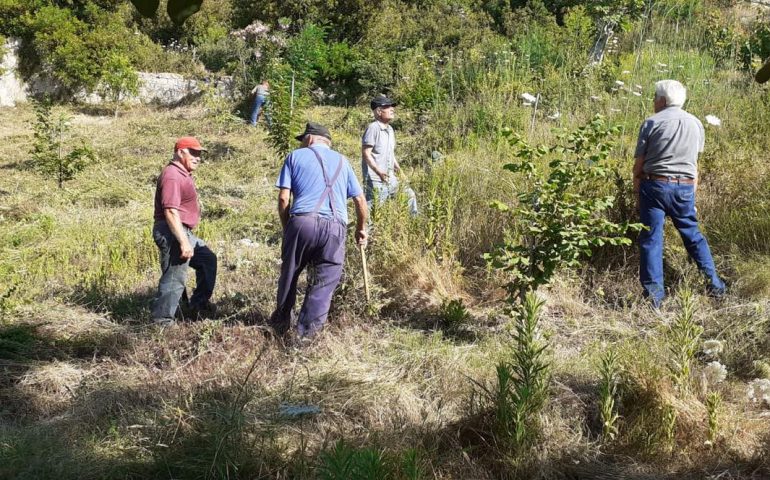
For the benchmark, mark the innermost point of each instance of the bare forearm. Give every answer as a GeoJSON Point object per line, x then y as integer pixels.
{"type": "Point", "coordinates": [362, 211]}
{"type": "Point", "coordinates": [283, 207]}
{"type": "Point", "coordinates": [175, 224]}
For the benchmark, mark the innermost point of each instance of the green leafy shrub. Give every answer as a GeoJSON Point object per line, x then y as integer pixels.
{"type": "Point", "coordinates": [49, 151]}
{"type": "Point", "coordinates": [454, 314]}
{"type": "Point", "coordinates": [417, 86]}
{"type": "Point", "coordinates": [118, 79]}
{"type": "Point", "coordinates": [720, 37]}
{"type": "Point", "coordinates": [78, 47]}
{"type": "Point", "coordinates": [560, 216]}
{"type": "Point", "coordinates": [288, 97]}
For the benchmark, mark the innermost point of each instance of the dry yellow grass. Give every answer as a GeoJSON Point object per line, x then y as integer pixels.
{"type": "Point", "coordinates": [81, 360]}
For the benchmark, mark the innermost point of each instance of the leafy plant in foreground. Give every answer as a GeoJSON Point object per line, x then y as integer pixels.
{"type": "Point", "coordinates": [559, 217]}
{"type": "Point", "coordinates": [524, 381]}
{"type": "Point", "coordinates": [609, 371]}
{"type": "Point", "coordinates": [343, 462]}
{"type": "Point", "coordinates": [454, 313]}
{"type": "Point", "coordinates": [683, 338]}
{"type": "Point", "coordinates": [713, 406]}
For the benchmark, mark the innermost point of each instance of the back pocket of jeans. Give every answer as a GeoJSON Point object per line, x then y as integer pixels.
{"type": "Point", "coordinates": [685, 195]}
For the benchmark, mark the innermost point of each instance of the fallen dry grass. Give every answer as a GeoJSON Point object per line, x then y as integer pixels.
{"type": "Point", "coordinates": [91, 390]}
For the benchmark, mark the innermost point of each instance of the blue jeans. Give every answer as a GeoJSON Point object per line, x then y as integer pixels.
{"type": "Point", "coordinates": [256, 109]}
{"type": "Point", "coordinates": [658, 199]}
{"type": "Point", "coordinates": [174, 271]}
{"type": "Point", "coordinates": [383, 191]}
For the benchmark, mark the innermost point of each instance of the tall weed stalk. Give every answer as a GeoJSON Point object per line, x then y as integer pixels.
{"type": "Point", "coordinates": [524, 382]}
{"type": "Point", "coordinates": [609, 371]}
{"type": "Point", "coordinates": [683, 339]}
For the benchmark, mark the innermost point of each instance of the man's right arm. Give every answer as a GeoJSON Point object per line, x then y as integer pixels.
{"type": "Point", "coordinates": [366, 153]}
{"type": "Point", "coordinates": [284, 197]}
{"type": "Point", "coordinates": [362, 214]}
{"type": "Point", "coordinates": [174, 222]}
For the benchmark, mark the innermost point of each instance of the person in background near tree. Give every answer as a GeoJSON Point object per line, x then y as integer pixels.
{"type": "Point", "coordinates": [260, 93]}
{"type": "Point", "coordinates": [378, 153]}
{"type": "Point", "coordinates": [177, 213]}
{"type": "Point", "coordinates": [665, 181]}
{"type": "Point", "coordinates": [320, 181]}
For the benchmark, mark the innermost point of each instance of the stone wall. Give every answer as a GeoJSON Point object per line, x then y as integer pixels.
{"type": "Point", "coordinates": [12, 89]}
{"type": "Point", "coordinates": [167, 89]}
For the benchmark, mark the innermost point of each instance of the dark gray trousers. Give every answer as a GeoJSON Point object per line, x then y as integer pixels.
{"type": "Point", "coordinates": [174, 271]}
{"type": "Point", "coordinates": [313, 241]}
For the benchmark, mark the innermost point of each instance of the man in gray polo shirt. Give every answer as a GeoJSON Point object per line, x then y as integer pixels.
{"type": "Point", "coordinates": [665, 180]}
{"type": "Point", "coordinates": [378, 155]}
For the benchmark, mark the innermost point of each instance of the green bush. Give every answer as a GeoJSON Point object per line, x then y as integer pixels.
{"type": "Point", "coordinates": [561, 216]}
{"type": "Point", "coordinates": [50, 153]}
{"type": "Point", "coordinates": [417, 86]}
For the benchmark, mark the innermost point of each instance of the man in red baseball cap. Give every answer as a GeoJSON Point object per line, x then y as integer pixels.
{"type": "Point", "coordinates": [177, 213]}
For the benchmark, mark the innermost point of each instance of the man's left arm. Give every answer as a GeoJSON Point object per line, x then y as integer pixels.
{"type": "Point", "coordinates": [284, 197]}
{"type": "Point", "coordinates": [638, 172]}
{"type": "Point", "coordinates": [396, 166]}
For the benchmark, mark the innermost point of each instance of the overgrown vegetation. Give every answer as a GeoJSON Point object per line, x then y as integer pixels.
{"type": "Point", "coordinates": [91, 390]}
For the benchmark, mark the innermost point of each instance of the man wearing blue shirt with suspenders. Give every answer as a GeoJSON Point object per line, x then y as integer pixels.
{"type": "Point", "coordinates": [320, 181]}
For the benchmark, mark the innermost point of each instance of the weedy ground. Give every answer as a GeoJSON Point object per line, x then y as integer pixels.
{"type": "Point", "coordinates": [90, 389]}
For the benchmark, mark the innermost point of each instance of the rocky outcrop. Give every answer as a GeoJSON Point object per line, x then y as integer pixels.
{"type": "Point", "coordinates": [167, 89]}
{"type": "Point", "coordinates": [12, 89]}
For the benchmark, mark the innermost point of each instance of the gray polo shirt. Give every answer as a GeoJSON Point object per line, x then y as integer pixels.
{"type": "Point", "coordinates": [382, 139]}
{"type": "Point", "coordinates": [670, 141]}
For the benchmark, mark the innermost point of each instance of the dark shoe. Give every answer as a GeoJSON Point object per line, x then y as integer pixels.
{"type": "Point", "coordinates": [204, 310]}
{"type": "Point", "coordinates": [280, 322]}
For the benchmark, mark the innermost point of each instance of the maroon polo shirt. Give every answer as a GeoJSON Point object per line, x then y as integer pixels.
{"type": "Point", "coordinates": [176, 189]}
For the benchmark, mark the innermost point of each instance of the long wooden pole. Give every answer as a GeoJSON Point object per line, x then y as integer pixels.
{"type": "Point", "coordinates": [366, 272]}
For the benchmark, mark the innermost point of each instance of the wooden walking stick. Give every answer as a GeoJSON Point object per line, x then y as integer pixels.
{"type": "Point", "coordinates": [366, 271]}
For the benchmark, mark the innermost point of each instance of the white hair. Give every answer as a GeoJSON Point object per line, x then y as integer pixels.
{"type": "Point", "coordinates": [311, 139]}
{"type": "Point", "coordinates": [674, 92]}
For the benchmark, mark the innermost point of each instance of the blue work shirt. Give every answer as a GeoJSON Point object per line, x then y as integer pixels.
{"type": "Point", "coordinates": [302, 174]}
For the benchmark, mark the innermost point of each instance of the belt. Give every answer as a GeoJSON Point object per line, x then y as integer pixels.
{"type": "Point", "coordinates": [315, 215]}
{"type": "Point", "coordinates": [163, 222]}
{"type": "Point", "coordinates": [663, 178]}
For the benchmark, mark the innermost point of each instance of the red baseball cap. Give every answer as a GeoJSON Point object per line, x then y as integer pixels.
{"type": "Point", "coordinates": [188, 142]}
